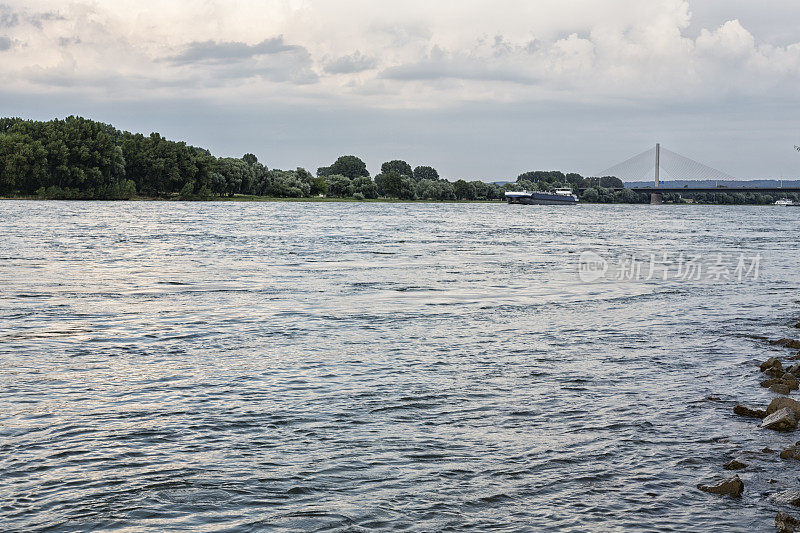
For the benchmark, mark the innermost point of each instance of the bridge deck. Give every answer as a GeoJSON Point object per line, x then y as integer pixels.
{"type": "Point", "coordinates": [716, 190]}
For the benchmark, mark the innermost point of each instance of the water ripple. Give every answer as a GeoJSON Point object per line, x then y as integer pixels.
{"type": "Point", "coordinates": [358, 367]}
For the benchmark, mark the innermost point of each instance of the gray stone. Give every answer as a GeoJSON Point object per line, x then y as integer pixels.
{"type": "Point", "coordinates": [770, 363]}
{"type": "Point", "coordinates": [787, 343]}
{"type": "Point", "coordinates": [782, 420]}
{"type": "Point", "coordinates": [741, 410]}
{"type": "Point", "coordinates": [786, 523]}
{"type": "Point", "coordinates": [731, 486]}
{"type": "Point", "coordinates": [792, 452]}
{"type": "Point", "coordinates": [775, 371]}
{"type": "Point", "coordinates": [770, 382]}
{"type": "Point", "coordinates": [780, 388]}
{"type": "Point", "coordinates": [734, 465]}
{"type": "Point", "coordinates": [787, 497]}
{"type": "Point", "coordinates": [779, 403]}
{"type": "Point", "coordinates": [791, 381]}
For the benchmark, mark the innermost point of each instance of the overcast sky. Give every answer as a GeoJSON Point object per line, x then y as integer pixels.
{"type": "Point", "coordinates": [479, 89]}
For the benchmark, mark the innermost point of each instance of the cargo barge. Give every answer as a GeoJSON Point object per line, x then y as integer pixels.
{"type": "Point", "coordinates": [559, 197]}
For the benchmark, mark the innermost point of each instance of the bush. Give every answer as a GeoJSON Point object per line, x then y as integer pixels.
{"type": "Point", "coordinates": [187, 192]}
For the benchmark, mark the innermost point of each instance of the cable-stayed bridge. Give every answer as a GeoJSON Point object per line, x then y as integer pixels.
{"type": "Point", "coordinates": [659, 163]}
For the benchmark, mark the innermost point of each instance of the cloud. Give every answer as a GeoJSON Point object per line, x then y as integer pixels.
{"type": "Point", "coordinates": [270, 60]}
{"type": "Point", "coordinates": [351, 64]}
{"type": "Point", "coordinates": [38, 20]}
{"type": "Point", "coordinates": [8, 18]}
{"type": "Point", "coordinates": [418, 54]}
{"type": "Point", "coordinates": [535, 77]}
{"type": "Point", "coordinates": [440, 64]}
{"type": "Point", "coordinates": [223, 52]}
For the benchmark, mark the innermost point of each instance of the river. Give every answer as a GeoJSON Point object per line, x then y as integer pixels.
{"type": "Point", "coordinates": [286, 366]}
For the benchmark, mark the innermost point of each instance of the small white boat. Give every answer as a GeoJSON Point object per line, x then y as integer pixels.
{"type": "Point", "coordinates": [784, 201]}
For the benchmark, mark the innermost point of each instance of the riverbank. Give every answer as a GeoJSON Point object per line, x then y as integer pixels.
{"type": "Point", "coordinates": [766, 468]}
{"type": "Point", "coordinates": [252, 198]}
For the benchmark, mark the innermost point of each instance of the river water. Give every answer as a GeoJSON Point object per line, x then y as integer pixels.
{"type": "Point", "coordinates": [352, 367]}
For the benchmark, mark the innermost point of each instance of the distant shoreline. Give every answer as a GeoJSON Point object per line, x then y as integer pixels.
{"type": "Point", "coordinates": [250, 198]}
{"type": "Point", "coordinates": [271, 199]}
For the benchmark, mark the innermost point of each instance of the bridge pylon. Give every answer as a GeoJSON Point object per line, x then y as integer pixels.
{"type": "Point", "coordinates": [657, 162]}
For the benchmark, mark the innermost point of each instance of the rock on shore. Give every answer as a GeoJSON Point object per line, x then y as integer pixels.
{"type": "Point", "coordinates": [787, 343]}
{"type": "Point", "coordinates": [741, 410]}
{"type": "Point", "coordinates": [772, 362]}
{"type": "Point", "coordinates": [734, 465]}
{"type": "Point", "coordinates": [786, 523]}
{"type": "Point", "coordinates": [731, 486]}
{"type": "Point", "coordinates": [780, 403]}
{"type": "Point", "coordinates": [780, 388]}
{"type": "Point", "coordinates": [787, 497]}
{"type": "Point", "coordinates": [790, 380]}
{"type": "Point", "coordinates": [781, 420]}
{"type": "Point", "coordinates": [792, 452]}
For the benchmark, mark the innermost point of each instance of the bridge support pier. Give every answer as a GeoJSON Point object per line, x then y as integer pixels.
{"type": "Point", "coordinates": [656, 198]}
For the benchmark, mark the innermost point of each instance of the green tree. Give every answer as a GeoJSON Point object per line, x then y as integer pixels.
{"type": "Point", "coordinates": [550, 176]}
{"type": "Point", "coordinates": [574, 179]}
{"type": "Point", "coordinates": [349, 166]}
{"type": "Point", "coordinates": [365, 187]}
{"type": "Point", "coordinates": [425, 173]}
{"type": "Point", "coordinates": [408, 188]}
{"type": "Point", "coordinates": [319, 185]}
{"type": "Point", "coordinates": [611, 181]}
{"type": "Point", "coordinates": [435, 190]}
{"type": "Point", "coordinates": [391, 183]}
{"type": "Point", "coordinates": [398, 166]}
{"type": "Point", "coordinates": [187, 192]}
{"type": "Point", "coordinates": [480, 190]}
{"type": "Point", "coordinates": [462, 190]}
{"type": "Point", "coordinates": [591, 195]}
{"type": "Point", "coordinates": [340, 186]}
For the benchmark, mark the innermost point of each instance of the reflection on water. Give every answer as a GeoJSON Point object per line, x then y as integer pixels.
{"type": "Point", "coordinates": [296, 366]}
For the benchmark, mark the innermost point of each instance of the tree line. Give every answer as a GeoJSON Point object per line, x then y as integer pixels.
{"type": "Point", "coordinates": [78, 158]}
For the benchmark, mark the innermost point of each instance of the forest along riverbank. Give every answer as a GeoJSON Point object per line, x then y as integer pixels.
{"type": "Point", "coordinates": [780, 375]}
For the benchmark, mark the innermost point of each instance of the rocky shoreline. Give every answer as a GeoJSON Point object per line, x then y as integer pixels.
{"type": "Point", "coordinates": [782, 377]}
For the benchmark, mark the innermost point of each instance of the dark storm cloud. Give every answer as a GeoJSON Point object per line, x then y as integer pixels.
{"type": "Point", "coordinates": [225, 52]}
{"type": "Point", "coordinates": [351, 64]}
